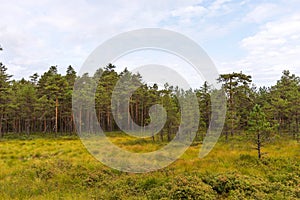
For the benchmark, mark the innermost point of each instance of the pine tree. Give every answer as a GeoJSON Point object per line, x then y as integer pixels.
{"type": "Point", "coordinates": [82, 99]}
{"type": "Point", "coordinates": [235, 86]}
{"type": "Point", "coordinates": [67, 103]}
{"type": "Point", "coordinates": [169, 97]}
{"type": "Point", "coordinates": [34, 78]}
{"type": "Point", "coordinates": [260, 126]}
{"type": "Point", "coordinates": [53, 86]}
{"type": "Point", "coordinates": [25, 101]}
{"type": "Point", "coordinates": [204, 100]}
{"type": "Point", "coordinates": [284, 103]}
{"type": "Point", "coordinates": [105, 87]}
{"type": "Point", "coordinates": [4, 94]}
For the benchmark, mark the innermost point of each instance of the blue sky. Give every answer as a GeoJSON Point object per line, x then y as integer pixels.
{"type": "Point", "coordinates": [260, 38]}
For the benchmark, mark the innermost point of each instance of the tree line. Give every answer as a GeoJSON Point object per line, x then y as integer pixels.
{"type": "Point", "coordinates": [44, 103]}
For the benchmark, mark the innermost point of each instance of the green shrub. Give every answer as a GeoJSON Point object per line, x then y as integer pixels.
{"type": "Point", "coordinates": [191, 188]}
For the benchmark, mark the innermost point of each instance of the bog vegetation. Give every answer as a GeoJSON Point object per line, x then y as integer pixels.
{"type": "Point", "coordinates": [48, 167]}
{"type": "Point", "coordinates": [257, 157]}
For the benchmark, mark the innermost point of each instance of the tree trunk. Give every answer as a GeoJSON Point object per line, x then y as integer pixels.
{"type": "Point", "coordinates": [1, 133]}
{"type": "Point", "coordinates": [162, 135]}
{"type": "Point", "coordinates": [128, 117]}
{"type": "Point", "coordinates": [169, 135]}
{"type": "Point", "coordinates": [45, 125]}
{"type": "Point", "coordinates": [80, 120]}
{"type": "Point", "coordinates": [258, 145]}
{"type": "Point", "coordinates": [231, 108]}
{"type": "Point", "coordinates": [56, 115]}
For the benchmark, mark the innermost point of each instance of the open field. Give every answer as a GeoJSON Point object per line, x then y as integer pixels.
{"type": "Point", "coordinates": [36, 167]}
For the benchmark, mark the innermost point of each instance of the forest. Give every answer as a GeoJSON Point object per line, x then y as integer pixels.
{"type": "Point", "coordinates": [44, 103]}
{"type": "Point", "coordinates": [41, 156]}
{"type": "Point", "coordinates": [150, 100]}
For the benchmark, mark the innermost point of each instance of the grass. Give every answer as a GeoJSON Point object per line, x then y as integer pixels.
{"type": "Point", "coordinates": [36, 167]}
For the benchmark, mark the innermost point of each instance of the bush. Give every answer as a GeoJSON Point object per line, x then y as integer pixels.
{"type": "Point", "coordinates": [191, 188]}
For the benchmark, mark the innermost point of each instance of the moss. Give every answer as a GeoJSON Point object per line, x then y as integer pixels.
{"type": "Point", "coordinates": [61, 168]}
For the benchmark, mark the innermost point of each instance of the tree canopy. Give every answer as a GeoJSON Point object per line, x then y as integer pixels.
{"type": "Point", "coordinates": [43, 103]}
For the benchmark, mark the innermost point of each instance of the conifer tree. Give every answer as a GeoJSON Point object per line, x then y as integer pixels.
{"type": "Point", "coordinates": [259, 126]}
{"type": "Point", "coordinates": [4, 93]}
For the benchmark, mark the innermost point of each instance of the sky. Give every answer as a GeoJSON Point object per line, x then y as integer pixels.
{"type": "Point", "coordinates": [259, 38]}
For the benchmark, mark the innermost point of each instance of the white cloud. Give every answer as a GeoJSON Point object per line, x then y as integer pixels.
{"type": "Point", "coordinates": [274, 48]}
{"type": "Point", "coordinates": [38, 34]}
{"type": "Point", "coordinates": [220, 7]}
{"type": "Point", "coordinates": [263, 12]}
{"type": "Point", "coordinates": [190, 11]}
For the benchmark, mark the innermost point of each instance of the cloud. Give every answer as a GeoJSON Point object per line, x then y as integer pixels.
{"type": "Point", "coordinates": [38, 34]}
{"type": "Point", "coordinates": [274, 48]}
{"type": "Point", "coordinates": [263, 12]}
{"type": "Point", "coordinates": [190, 12]}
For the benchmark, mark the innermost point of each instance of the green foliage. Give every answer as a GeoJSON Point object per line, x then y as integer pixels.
{"type": "Point", "coordinates": [53, 168]}
{"type": "Point", "coordinates": [44, 103]}
{"type": "Point", "coordinates": [191, 187]}
{"type": "Point", "coordinates": [42, 166]}
{"type": "Point", "coordinates": [259, 125]}
{"type": "Point", "coordinates": [4, 93]}
{"type": "Point", "coordinates": [240, 100]}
